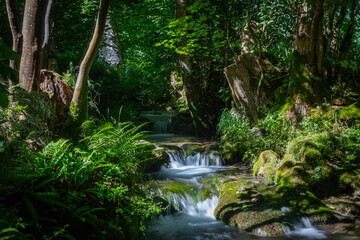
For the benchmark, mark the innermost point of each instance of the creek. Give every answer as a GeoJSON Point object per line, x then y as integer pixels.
{"type": "Point", "coordinates": [190, 185]}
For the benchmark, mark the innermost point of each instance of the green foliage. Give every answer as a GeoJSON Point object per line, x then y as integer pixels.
{"type": "Point", "coordinates": [6, 72]}
{"type": "Point", "coordinates": [145, 68]}
{"type": "Point", "coordinates": [236, 135]}
{"type": "Point", "coordinates": [70, 75]}
{"type": "Point", "coordinates": [78, 191]}
{"type": "Point", "coordinates": [274, 132]}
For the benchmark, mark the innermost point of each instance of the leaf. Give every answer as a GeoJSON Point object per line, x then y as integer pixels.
{"type": "Point", "coordinates": [6, 52]}
{"type": "Point", "coordinates": [4, 98]}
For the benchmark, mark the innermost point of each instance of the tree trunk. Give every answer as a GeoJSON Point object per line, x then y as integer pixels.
{"type": "Point", "coordinates": [346, 43]}
{"type": "Point", "coordinates": [14, 23]}
{"type": "Point", "coordinates": [79, 104]}
{"type": "Point", "coordinates": [259, 45]}
{"type": "Point", "coordinates": [48, 26]}
{"type": "Point", "coordinates": [306, 86]}
{"type": "Point", "coordinates": [243, 81]}
{"type": "Point", "coordinates": [191, 83]}
{"type": "Point", "coordinates": [29, 72]}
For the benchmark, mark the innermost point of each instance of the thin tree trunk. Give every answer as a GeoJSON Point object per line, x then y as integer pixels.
{"type": "Point", "coordinates": [79, 105]}
{"type": "Point", "coordinates": [15, 27]}
{"type": "Point", "coordinates": [335, 44]}
{"type": "Point", "coordinates": [346, 43]}
{"type": "Point", "coordinates": [29, 72]}
{"type": "Point", "coordinates": [14, 23]}
{"type": "Point", "coordinates": [48, 25]}
{"type": "Point", "coordinates": [316, 38]}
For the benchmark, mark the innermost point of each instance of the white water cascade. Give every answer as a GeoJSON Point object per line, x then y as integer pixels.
{"type": "Point", "coordinates": [186, 185]}
{"type": "Point", "coordinates": [188, 167]}
{"type": "Point", "coordinates": [192, 199]}
{"type": "Point", "coordinates": [302, 227]}
{"type": "Point", "coordinates": [180, 159]}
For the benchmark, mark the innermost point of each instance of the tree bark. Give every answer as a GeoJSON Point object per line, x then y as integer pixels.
{"type": "Point", "coordinates": [29, 72]}
{"type": "Point", "coordinates": [259, 45]}
{"type": "Point", "coordinates": [190, 85]}
{"type": "Point", "coordinates": [346, 43]}
{"type": "Point", "coordinates": [306, 86]}
{"type": "Point", "coordinates": [14, 23]}
{"type": "Point", "coordinates": [79, 104]}
{"type": "Point", "coordinates": [48, 26]}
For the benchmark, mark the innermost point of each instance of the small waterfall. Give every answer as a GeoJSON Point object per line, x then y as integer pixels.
{"type": "Point", "coordinates": [186, 193]}
{"type": "Point", "coordinates": [180, 158]}
{"type": "Point", "coordinates": [302, 227]}
{"type": "Point", "coordinates": [193, 206]}
{"type": "Point", "coordinates": [162, 125]}
{"type": "Point", "coordinates": [161, 120]}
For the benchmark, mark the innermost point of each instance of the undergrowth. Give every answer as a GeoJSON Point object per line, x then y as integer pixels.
{"type": "Point", "coordinates": [240, 139]}
{"type": "Point", "coordinates": [86, 190]}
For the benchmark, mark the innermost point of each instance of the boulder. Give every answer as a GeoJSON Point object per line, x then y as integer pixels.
{"type": "Point", "coordinates": [265, 166]}
{"type": "Point", "coordinates": [251, 207]}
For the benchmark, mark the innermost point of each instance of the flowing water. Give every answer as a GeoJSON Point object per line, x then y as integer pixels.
{"type": "Point", "coordinates": [189, 185]}
{"type": "Point", "coordinates": [161, 120]}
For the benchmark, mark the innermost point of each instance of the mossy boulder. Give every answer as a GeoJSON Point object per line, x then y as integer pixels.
{"type": "Point", "coordinates": [309, 150]}
{"type": "Point", "coordinates": [251, 207]}
{"type": "Point", "coordinates": [350, 181]}
{"type": "Point", "coordinates": [265, 166]}
{"type": "Point", "coordinates": [304, 170]}
{"type": "Point", "coordinates": [306, 164]}
{"type": "Point", "coordinates": [351, 113]}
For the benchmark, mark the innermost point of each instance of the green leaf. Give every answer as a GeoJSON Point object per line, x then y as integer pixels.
{"type": "Point", "coordinates": [6, 52]}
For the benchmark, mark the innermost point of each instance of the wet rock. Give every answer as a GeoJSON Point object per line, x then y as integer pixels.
{"type": "Point", "coordinates": [160, 158]}
{"type": "Point", "coordinates": [251, 207]}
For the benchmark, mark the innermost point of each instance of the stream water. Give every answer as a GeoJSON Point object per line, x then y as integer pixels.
{"type": "Point", "coordinates": [190, 186]}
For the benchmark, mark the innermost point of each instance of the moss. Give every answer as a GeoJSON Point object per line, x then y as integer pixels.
{"type": "Point", "coordinates": [304, 170]}
{"type": "Point", "coordinates": [250, 207]}
{"type": "Point", "coordinates": [78, 115]}
{"type": "Point", "coordinates": [87, 128]}
{"type": "Point", "coordinates": [309, 150]}
{"type": "Point", "coordinates": [177, 187]}
{"type": "Point", "coordinates": [302, 87]}
{"type": "Point", "coordinates": [205, 194]}
{"type": "Point", "coordinates": [266, 165]}
{"type": "Point", "coordinates": [350, 179]}
{"type": "Point", "coordinates": [351, 113]}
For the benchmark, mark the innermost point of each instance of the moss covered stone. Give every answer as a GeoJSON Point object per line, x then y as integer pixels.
{"type": "Point", "coordinates": [351, 113]}
{"type": "Point", "coordinates": [251, 207]}
{"type": "Point", "coordinates": [304, 170]}
{"type": "Point", "coordinates": [265, 166]}
{"type": "Point", "coordinates": [350, 180]}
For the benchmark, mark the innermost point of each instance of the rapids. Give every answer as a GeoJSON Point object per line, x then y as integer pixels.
{"type": "Point", "coordinates": [190, 185]}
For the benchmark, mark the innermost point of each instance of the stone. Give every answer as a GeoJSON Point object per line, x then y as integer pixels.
{"type": "Point", "coordinates": [265, 166]}
{"type": "Point", "coordinates": [251, 207]}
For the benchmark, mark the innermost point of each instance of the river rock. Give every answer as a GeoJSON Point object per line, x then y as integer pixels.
{"type": "Point", "coordinates": [160, 158]}
{"type": "Point", "coordinates": [251, 207]}
{"type": "Point", "coordinates": [265, 166]}
{"type": "Point", "coordinates": [303, 171]}
{"type": "Point", "coordinates": [305, 165]}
